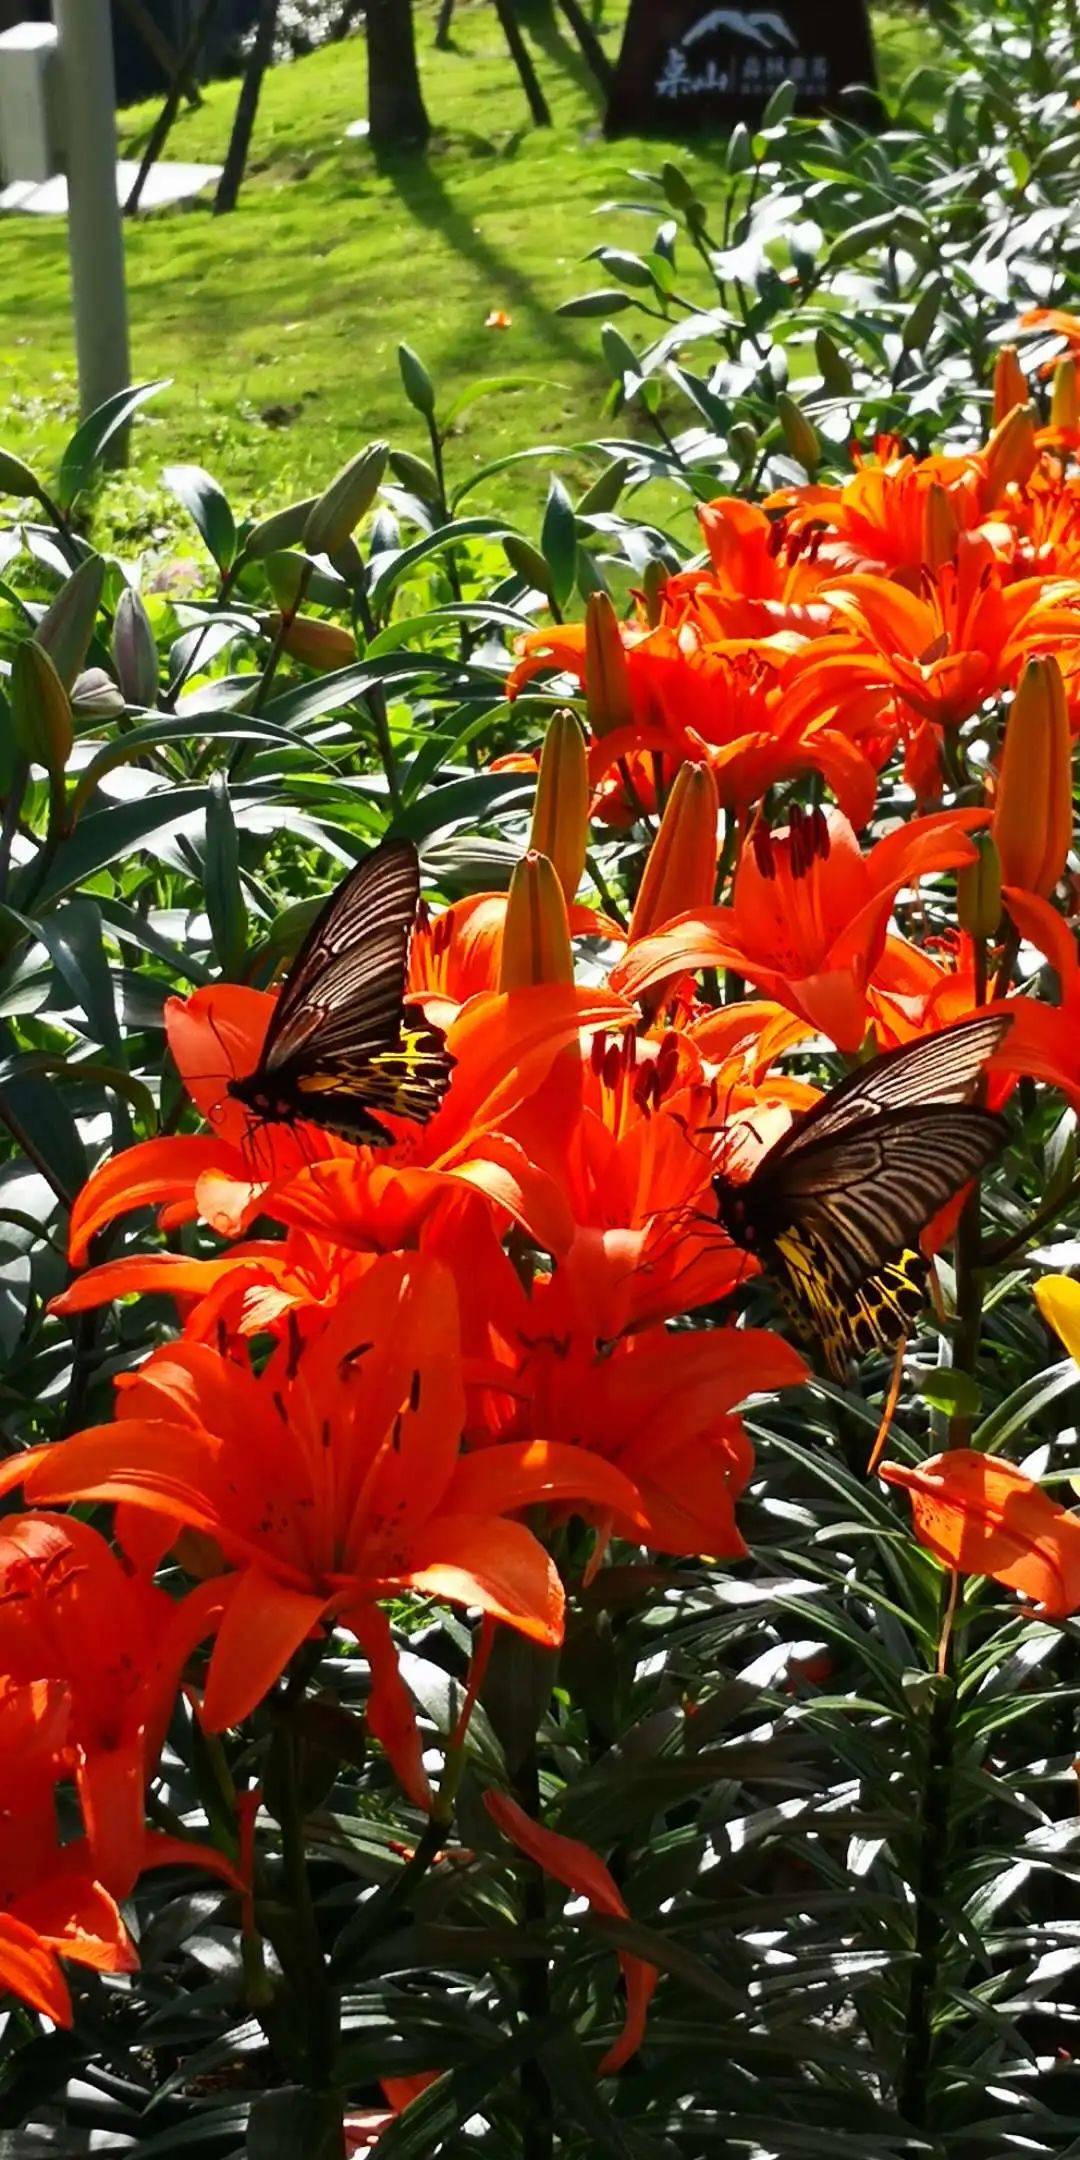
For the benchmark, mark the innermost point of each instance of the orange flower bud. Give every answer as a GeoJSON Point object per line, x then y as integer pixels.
{"type": "Point", "coordinates": [941, 528]}
{"type": "Point", "coordinates": [1065, 395]}
{"type": "Point", "coordinates": [1011, 453]}
{"type": "Point", "coordinates": [317, 643]}
{"type": "Point", "coordinates": [1032, 824]}
{"type": "Point", "coordinates": [1011, 386]}
{"type": "Point", "coordinates": [680, 873]}
{"type": "Point", "coordinates": [978, 890]}
{"type": "Point", "coordinates": [560, 823]}
{"type": "Point", "coordinates": [607, 670]}
{"type": "Point", "coordinates": [536, 933]}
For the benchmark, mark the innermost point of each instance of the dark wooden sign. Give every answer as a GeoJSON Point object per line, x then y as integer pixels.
{"type": "Point", "coordinates": [689, 64]}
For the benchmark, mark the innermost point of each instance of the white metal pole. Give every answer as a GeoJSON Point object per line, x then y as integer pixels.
{"type": "Point", "coordinates": [95, 234]}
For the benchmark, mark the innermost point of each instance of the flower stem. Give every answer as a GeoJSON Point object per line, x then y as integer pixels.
{"type": "Point", "coordinates": [913, 2097]}
{"type": "Point", "coordinates": [312, 1997]}
{"type": "Point", "coordinates": [537, 2124]}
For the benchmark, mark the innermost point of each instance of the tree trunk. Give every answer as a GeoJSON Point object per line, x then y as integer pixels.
{"type": "Point", "coordinates": [589, 42]}
{"type": "Point", "coordinates": [159, 134]}
{"type": "Point", "coordinates": [397, 115]}
{"type": "Point", "coordinates": [247, 105]}
{"type": "Point", "coordinates": [530, 81]}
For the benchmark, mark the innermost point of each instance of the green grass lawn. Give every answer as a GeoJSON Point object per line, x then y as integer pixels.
{"type": "Point", "coordinates": [279, 325]}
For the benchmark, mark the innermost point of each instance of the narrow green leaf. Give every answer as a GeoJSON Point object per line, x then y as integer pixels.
{"type": "Point", "coordinates": [17, 478]}
{"type": "Point", "coordinates": [221, 880]}
{"type": "Point", "coordinates": [208, 507]}
{"type": "Point", "coordinates": [558, 541]}
{"type": "Point", "coordinates": [93, 435]}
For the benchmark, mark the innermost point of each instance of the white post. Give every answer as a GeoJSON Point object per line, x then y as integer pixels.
{"type": "Point", "coordinates": [95, 235]}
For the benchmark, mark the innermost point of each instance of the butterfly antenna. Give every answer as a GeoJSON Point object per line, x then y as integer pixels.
{"type": "Point", "coordinates": [889, 1412]}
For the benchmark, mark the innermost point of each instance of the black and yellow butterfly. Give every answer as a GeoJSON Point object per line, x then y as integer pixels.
{"type": "Point", "coordinates": [343, 1039]}
{"type": "Point", "coordinates": [834, 1211]}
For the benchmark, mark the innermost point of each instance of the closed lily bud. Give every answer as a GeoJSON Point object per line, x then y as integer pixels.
{"type": "Point", "coordinates": [941, 529]}
{"type": "Point", "coordinates": [1011, 386]}
{"type": "Point", "coordinates": [317, 643]}
{"type": "Point", "coordinates": [1011, 453]}
{"type": "Point", "coordinates": [978, 890]}
{"type": "Point", "coordinates": [536, 932]}
{"type": "Point", "coordinates": [134, 651]}
{"type": "Point", "coordinates": [800, 436]}
{"type": "Point", "coordinates": [1065, 395]}
{"type": "Point", "coordinates": [339, 509]}
{"type": "Point", "coordinates": [607, 669]}
{"type": "Point", "coordinates": [680, 873]}
{"type": "Point", "coordinates": [560, 822]}
{"type": "Point", "coordinates": [1032, 824]}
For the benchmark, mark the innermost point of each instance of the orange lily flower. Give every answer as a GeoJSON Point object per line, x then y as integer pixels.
{"type": "Point", "coordinates": [374, 1199]}
{"type": "Point", "coordinates": [72, 1612]}
{"type": "Point", "coordinates": [579, 1869]}
{"type": "Point", "coordinates": [944, 650]}
{"type": "Point", "coordinates": [1046, 520]}
{"type": "Point", "coordinates": [332, 1480]}
{"type": "Point", "coordinates": [984, 1517]}
{"type": "Point", "coordinates": [660, 1408]}
{"type": "Point", "coordinates": [753, 587]}
{"type": "Point", "coordinates": [700, 701]}
{"type": "Point", "coordinates": [51, 1907]}
{"type": "Point", "coordinates": [809, 918]}
{"type": "Point", "coordinates": [884, 519]}
{"type": "Point", "coordinates": [1044, 1040]}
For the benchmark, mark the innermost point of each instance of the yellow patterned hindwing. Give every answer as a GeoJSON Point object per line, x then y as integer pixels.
{"type": "Point", "coordinates": [847, 1323]}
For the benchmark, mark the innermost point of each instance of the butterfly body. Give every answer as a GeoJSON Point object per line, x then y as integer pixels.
{"type": "Point", "coordinates": [344, 1041]}
{"type": "Point", "coordinates": [835, 1210]}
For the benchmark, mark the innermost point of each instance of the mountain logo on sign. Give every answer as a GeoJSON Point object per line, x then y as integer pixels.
{"type": "Point", "coordinates": [761, 27]}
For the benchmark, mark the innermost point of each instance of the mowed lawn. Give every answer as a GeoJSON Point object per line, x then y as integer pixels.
{"type": "Point", "coordinates": [279, 325]}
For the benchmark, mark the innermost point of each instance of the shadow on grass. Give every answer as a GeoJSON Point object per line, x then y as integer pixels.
{"type": "Point", "coordinates": [539, 21]}
{"type": "Point", "coordinates": [426, 198]}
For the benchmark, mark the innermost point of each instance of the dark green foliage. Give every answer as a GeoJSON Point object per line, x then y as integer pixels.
{"type": "Point", "coordinates": [858, 1877]}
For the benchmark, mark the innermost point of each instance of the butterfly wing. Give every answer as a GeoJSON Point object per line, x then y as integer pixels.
{"type": "Point", "coordinates": [837, 1206]}
{"type": "Point", "coordinates": [847, 1324]}
{"type": "Point", "coordinates": [348, 978]}
{"type": "Point", "coordinates": [866, 1193]}
{"type": "Point", "coordinates": [940, 1069]}
{"type": "Point", "coordinates": [342, 1040]}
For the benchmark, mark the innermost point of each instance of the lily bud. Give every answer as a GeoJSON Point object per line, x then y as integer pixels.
{"type": "Point", "coordinates": [1065, 395]}
{"type": "Point", "coordinates": [800, 436]}
{"type": "Point", "coordinates": [607, 669]}
{"type": "Point", "coordinates": [1011, 386]}
{"type": "Point", "coordinates": [1032, 824]}
{"type": "Point", "coordinates": [1011, 453]}
{"type": "Point", "coordinates": [560, 822]}
{"type": "Point", "coordinates": [536, 932]}
{"type": "Point", "coordinates": [134, 651]}
{"type": "Point", "coordinates": [941, 527]}
{"type": "Point", "coordinates": [978, 890]}
{"type": "Point", "coordinates": [317, 643]}
{"type": "Point", "coordinates": [680, 873]}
